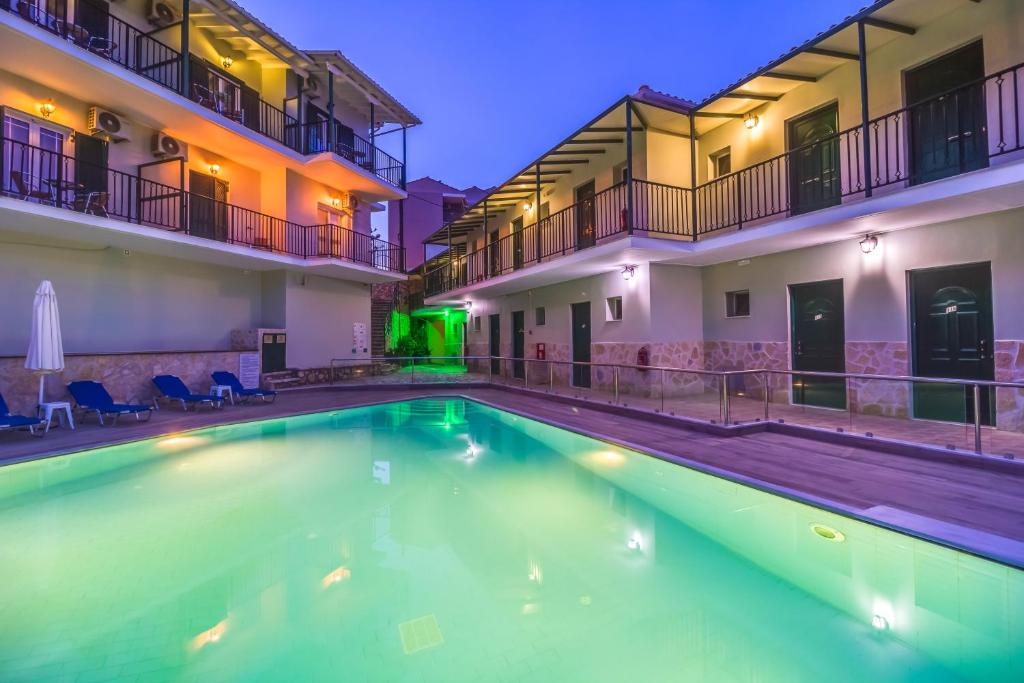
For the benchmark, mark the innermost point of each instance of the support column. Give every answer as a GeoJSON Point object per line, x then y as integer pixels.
{"type": "Point", "coordinates": [693, 174]}
{"type": "Point", "coordinates": [629, 165]}
{"type": "Point", "coordinates": [862, 46]}
{"type": "Point", "coordinates": [401, 232]}
{"type": "Point", "coordinates": [373, 138]}
{"type": "Point", "coordinates": [536, 211]}
{"type": "Point", "coordinates": [331, 133]}
{"type": "Point", "coordinates": [487, 246]}
{"type": "Point", "coordinates": [184, 85]}
{"type": "Point", "coordinates": [403, 156]}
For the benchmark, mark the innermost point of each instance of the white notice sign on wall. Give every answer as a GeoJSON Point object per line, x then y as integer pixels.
{"type": "Point", "coordinates": [359, 344]}
{"type": "Point", "coordinates": [249, 370]}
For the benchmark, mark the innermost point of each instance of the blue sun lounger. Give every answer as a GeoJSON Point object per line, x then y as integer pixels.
{"type": "Point", "coordinates": [172, 388]}
{"type": "Point", "coordinates": [92, 397]}
{"type": "Point", "coordinates": [8, 421]}
{"type": "Point", "coordinates": [229, 379]}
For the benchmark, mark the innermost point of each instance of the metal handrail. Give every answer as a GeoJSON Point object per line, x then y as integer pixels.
{"type": "Point", "coordinates": [721, 375]}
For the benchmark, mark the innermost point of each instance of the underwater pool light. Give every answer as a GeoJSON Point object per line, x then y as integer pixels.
{"type": "Point", "coordinates": [828, 533]}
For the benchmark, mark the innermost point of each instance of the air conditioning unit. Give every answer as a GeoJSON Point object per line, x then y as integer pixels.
{"type": "Point", "coordinates": [313, 88]}
{"type": "Point", "coordinates": [108, 125]}
{"type": "Point", "coordinates": [162, 13]}
{"type": "Point", "coordinates": [166, 146]}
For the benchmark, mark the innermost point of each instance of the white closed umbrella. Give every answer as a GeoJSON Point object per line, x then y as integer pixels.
{"type": "Point", "coordinates": [45, 349]}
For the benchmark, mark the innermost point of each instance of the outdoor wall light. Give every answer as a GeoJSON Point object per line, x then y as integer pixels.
{"type": "Point", "coordinates": [227, 62]}
{"type": "Point", "coordinates": [335, 202]}
{"type": "Point", "coordinates": [47, 108]}
{"type": "Point", "coordinates": [868, 244]}
{"type": "Point", "coordinates": [880, 623]}
{"type": "Point", "coordinates": [628, 273]}
{"type": "Point", "coordinates": [214, 169]}
{"type": "Point", "coordinates": [751, 121]}
{"type": "Point", "coordinates": [527, 206]}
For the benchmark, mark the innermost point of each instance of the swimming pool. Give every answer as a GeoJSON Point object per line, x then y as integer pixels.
{"type": "Point", "coordinates": [444, 540]}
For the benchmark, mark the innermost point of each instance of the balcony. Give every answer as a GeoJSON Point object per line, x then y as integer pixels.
{"type": "Point", "coordinates": [313, 138]}
{"type": "Point", "coordinates": [956, 132]}
{"type": "Point", "coordinates": [53, 179]}
{"type": "Point", "coordinates": [137, 51]}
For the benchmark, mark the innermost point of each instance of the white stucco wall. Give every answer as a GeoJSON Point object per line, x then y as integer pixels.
{"type": "Point", "coordinates": [320, 313]}
{"type": "Point", "coordinates": [110, 302]}
{"type": "Point", "coordinates": [875, 285]}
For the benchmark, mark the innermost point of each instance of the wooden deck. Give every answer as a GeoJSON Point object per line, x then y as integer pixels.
{"type": "Point", "coordinates": [956, 500]}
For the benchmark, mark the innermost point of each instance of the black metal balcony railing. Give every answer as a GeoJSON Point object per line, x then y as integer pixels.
{"type": "Point", "coordinates": [118, 42]}
{"type": "Point", "coordinates": [137, 51]}
{"type": "Point", "coordinates": [946, 135]}
{"type": "Point", "coordinates": [52, 178]}
{"type": "Point", "coordinates": [348, 145]}
{"type": "Point", "coordinates": [657, 210]}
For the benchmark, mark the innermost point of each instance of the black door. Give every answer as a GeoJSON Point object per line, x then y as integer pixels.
{"type": "Point", "coordinates": [493, 264]}
{"type": "Point", "coordinates": [952, 337]}
{"type": "Point", "coordinates": [581, 344]}
{"type": "Point", "coordinates": [316, 129]}
{"type": "Point", "coordinates": [249, 102]}
{"type": "Point", "coordinates": [518, 343]}
{"type": "Point", "coordinates": [517, 243]}
{"type": "Point", "coordinates": [272, 358]}
{"type": "Point", "coordinates": [948, 131]}
{"type": "Point", "coordinates": [819, 342]}
{"type": "Point", "coordinates": [94, 17]}
{"type": "Point", "coordinates": [494, 347]}
{"type": "Point", "coordinates": [207, 211]}
{"type": "Point", "coordinates": [90, 169]}
{"type": "Point", "coordinates": [814, 181]}
{"type": "Point", "coordinates": [586, 228]}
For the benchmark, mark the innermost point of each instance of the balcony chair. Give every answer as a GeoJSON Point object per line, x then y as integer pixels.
{"type": "Point", "coordinates": [93, 397]}
{"type": "Point", "coordinates": [172, 388]}
{"type": "Point", "coordinates": [229, 379]}
{"type": "Point", "coordinates": [8, 421]}
{"type": "Point", "coordinates": [202, 95]}
{"type": "Point", "coordinates": [26, 187]}
{"type": "Point", "coordinates": [104, 47]}
{"type": "Point", "coordinates": [226, 107]}
{"type": "Point", "coordinates": [92, 202]}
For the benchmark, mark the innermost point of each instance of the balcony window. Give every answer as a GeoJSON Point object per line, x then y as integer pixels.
{"type": "Point", "coordinates": [539, 316]}
{"type": "Point", "coordinates": [721, 163]}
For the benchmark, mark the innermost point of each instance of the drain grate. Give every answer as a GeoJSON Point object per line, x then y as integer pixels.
{"type": "Point", "coordinates": [420, 634]}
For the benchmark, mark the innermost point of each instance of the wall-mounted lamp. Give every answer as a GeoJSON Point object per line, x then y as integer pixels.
{"type": "Point", "coordinates": [47, 107]}
{"type": "Point", "coordinates": [527, 206]}
{"type": "Point", "coordinates": [751, 121]}
{"type": "Point", "coordinates": [214, 169]}
{"type": "Point", "coordinates": [227, 62]}
{"type": "Point", "coordinates": [868, 244]}
{"type": "Point", "coordinates": [628, 272]}
{"type": "Point", "coordinates": [469, 305]}
{"type": "Point", "coordinates": [335, 202]}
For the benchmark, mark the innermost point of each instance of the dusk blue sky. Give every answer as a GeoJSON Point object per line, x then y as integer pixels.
{"type": "Point", "coordinates": [496, 84]}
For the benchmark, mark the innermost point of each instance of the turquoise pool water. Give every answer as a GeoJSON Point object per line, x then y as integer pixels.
{"type": "Point", "coordinates": [442, 540]}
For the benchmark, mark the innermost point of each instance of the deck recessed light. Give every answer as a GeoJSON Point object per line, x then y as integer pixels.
{"type": "Point", "coordinates": [828, 533]}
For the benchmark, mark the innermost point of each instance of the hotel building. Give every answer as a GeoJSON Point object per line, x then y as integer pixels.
{"type": "Point", "coordinates": [193, 185]}
{"type": "Point", "coordinates": [855, 206]}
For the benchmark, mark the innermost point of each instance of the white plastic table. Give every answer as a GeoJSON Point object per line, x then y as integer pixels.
{"type": "Point", "coordinates": [63, 410]}
{"type": "Point", "coordinates": [222, 390]}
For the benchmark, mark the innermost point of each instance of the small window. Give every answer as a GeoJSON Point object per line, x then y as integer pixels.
{"type": "Point", "coordinates": [539, 315]}
{"type": "Point", "coordinates": [476, 323]}
{"type": "Point", "coordinates": [721, 163]}
{"type": "Point", "coordinates": [737, 304]}
{"type": "Point", "coordinates": [613, 308]}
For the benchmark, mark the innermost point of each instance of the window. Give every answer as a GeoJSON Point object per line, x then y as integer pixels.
{"type": "Point", "coordinates": [619, 174]}
{"type": "Point", "coordinates": [476, 323]}
{"type": "Point", "coordinates": [613, 308]}
{"type": "Point", "coordinates": [34, 153]}
{"type": "Point", "coordinates": [737, 304]}
{"type": "Point", "coordinates": [721, 163]}
{"type": "Point", "coordinates": [539, 315]}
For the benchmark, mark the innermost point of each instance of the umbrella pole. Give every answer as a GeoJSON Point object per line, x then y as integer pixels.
{"type": "Point", "coordinates": [42, 378]}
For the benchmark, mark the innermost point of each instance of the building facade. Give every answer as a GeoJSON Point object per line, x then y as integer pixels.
{"type": "Point", "coordinates": [186, 178]}
{"type": "Point", "coordinates": [854, 206]}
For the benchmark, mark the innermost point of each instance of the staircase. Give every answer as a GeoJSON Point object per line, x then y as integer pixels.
{"type": "Point", "coordinates": [285, 379]}
{"type": "Point", "coordinates": [385, 299]}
